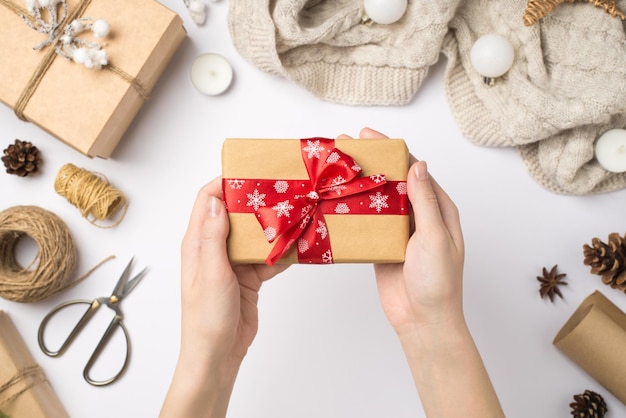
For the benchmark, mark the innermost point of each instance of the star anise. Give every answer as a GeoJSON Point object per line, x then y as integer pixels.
{"type": "Point", "coordinates": [550, 282]}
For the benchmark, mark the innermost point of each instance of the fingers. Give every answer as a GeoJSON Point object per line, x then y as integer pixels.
{"type": "Point", "coordinates": [366, 133]}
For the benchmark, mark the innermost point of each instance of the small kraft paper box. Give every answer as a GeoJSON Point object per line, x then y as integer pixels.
{"type": "Point", "coordinates": [594, 338]}
{"type": "Point", "coordinates": [24, 390]}
{"type": "Point", "coordinates": [87, 108]}
{"type": "Point", "coordinates": [316, 200]}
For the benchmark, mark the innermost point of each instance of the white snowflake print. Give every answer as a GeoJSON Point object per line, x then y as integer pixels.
{"type": "Point", "coordinates": [255, 199]}
{"type": "Point", "coordinates": [401, 188]}
{"type": "Point", "coordinates": [356, 168]}
{"type": "Point", "coordinates": [281, 186]}
{"type": "Point", "coordinates": [327, 257]}
{"type": "Point", "coordinates": [321, 229]}
{"type": "Point", "coordinates": [282, 209]}
{"type": "Point", "coordinates": [313, 149]}
{"type": "Point", "coordinates": [333, 158]}
{"type": "Point", "coordinates": [270, 233]}
{"type": "Point", "coordinates": [303, 245]}
{"type": "Point", "coordinates": [378, 178]}
{"type": "Point", "coordinates": [337, 185]}
{"type": "Point", "coordinates": [305, 221]}
{"type": "Point", "coordinates": [305, 210]}
{"type": "Point", "coordinates": [379, 201]}
{"type": "Point", "coordinates": [342, 208]}
{"type": "Point", "coordinates": [235, 184]}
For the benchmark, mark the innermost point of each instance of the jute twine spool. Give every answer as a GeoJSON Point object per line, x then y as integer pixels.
{"type": "Point", "coordinates": [91, 194]}
{"type": "Point", "coordinates": [54, 263]}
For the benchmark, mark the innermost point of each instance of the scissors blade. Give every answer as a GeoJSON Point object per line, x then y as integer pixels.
{"type": "Point", "coordinates": [121, 283]}
{"type": "Point", "coordinates": [133, 282]}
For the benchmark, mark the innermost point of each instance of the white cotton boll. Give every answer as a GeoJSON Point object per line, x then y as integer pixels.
{"type": "Point", "coordinates": [197, 11]}
{"type": "Point", "coordinates": [76, 26]}
{"type": "Point", "coordinates": [47, 3]}
{"type": "Point", "coordinates": [99, 58]}
{"type": "Point", "coordinates": [80, 55]}
{"type": "Point", "coordinates": [100, 28]}
{"type": "Point", "coordinates": [66, 39]}
{"type": "Point", "coordinates": [31, 5]}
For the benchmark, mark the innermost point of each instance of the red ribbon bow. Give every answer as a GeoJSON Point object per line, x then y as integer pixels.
{"type": "Point", "coordinates": [291, 212]}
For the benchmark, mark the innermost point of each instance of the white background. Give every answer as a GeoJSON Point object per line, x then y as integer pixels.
{"type": "Point", "coordinates": [324, 347]}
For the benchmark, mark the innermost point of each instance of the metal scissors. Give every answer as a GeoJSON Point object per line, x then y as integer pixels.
{"type": "Point", "coordinates": [123, 287]}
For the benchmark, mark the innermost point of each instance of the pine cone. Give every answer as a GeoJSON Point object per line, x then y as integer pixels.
{"type": "Point", "coordinates": [21, 158]}
{"type": "Point", "coordinates": [588, 405]}
{"type": "Point", "coordinates": [608, 260]}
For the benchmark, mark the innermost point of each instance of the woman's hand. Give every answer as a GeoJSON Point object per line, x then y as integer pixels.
{"type": "Point", "coordinates": [423, 300]}
{"type": "Point", "coordinates": [219, 312]}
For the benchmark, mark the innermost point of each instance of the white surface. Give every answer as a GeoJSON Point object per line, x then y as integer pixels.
{"type": "Point", "coordinates": [324, 348]}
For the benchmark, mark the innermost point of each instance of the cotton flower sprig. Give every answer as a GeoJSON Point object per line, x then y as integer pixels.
{"type": "Point", "coordinates": [50, 28]}
{"type": "Point", "coordinates": [89, 54]}
{"type": "Point", "coordinates": [197, 10]}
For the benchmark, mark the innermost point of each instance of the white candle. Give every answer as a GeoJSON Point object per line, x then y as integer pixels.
{"type": "Point", "coordinates": [611, 150]}
{"type": "Point", "coordinates": [211, 74]}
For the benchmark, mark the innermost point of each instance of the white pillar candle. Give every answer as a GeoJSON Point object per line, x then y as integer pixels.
{"type": "Point", "coordinates": [211, 74]}
{"type": "Point", "coordinates": [611, 150]}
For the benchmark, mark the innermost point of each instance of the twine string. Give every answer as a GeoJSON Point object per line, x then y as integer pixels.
{"type": "Point", "coordinates": [30, 371]}
{"type": "Point", "coordinates": [91, 194]}
{"type": "Point", "coordinates": [51, 269]}
{"type": "Point", "coordinates": [50, 55]}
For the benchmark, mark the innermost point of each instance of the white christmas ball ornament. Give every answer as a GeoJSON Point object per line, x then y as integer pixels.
{"type": "Point", "coordinates": [492, 55]}
{"type": "Point", "coordinates": [385, 12]}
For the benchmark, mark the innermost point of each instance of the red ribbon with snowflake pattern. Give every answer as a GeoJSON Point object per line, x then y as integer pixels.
{"type": "Point", "coordinates": [291, 212]}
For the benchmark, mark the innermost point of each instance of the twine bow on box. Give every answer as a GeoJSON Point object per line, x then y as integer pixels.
{"type": "Point", "coordinates": [291, 212]}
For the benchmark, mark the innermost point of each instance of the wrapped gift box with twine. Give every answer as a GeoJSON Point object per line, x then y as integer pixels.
{"type": "Point", "coordinates": [24, 389]}
{"type": "Point", "coordinates": [87, 108]}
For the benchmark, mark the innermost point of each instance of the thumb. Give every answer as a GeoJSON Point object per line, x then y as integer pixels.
{"type": "Point", "coordinates": [426, 210]}
{"type": "Point", "coordinates": [214, 232]}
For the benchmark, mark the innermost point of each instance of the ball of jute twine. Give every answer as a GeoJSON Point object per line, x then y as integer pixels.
{"type": "Point", "coordinates": [91, 194]}
{"type": "Point", "coordinates": [53, 265]}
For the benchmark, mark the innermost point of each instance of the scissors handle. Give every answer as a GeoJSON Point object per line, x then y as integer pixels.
{"type": "Point", "coordinates": [94, 305]}
{"type": "Point", "coordinates": [106, 337]}
{"type": "Point", "coordinates": [113, 326]}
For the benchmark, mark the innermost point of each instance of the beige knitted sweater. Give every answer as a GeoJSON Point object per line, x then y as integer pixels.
{"type": "Point", "coordinates": [322, 46]}
{"type": "Point", "coordinates": [566, 87]}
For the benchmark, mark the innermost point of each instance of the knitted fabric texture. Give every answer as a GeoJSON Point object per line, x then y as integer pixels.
{"type": "Point", "coordinates": [324, 47]}
{"type": "Point", "coordinates": [567, 86]}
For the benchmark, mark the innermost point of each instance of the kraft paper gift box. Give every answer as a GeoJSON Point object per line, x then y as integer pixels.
{"type": "Point", "coordinates": [268, 179]}
{"type": "Point", "coordinates": [24, 390]}
{"type": "Point", "coordinates": [89, 109]}
{"type": "Point", "coordinates": [594, 337]}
